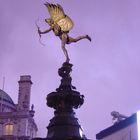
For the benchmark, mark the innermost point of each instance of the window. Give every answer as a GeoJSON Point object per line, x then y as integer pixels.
{"type": "Point", "coordinates": [9, 129]}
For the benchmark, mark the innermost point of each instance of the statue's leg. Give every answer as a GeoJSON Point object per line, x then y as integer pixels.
{"type": "Point", "coordinates": [63, 42]}
{"type": "Point", "coordinates": [71, 40]}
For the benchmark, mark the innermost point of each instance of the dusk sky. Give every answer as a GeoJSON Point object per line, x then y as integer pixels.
{"type": "Point", "coordinates": [106, 70]}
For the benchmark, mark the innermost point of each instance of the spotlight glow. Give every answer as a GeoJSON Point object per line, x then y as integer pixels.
{"type": "Point", "coordinates": [81, 132]}
{"type": "Point", "coordinates": [138, 124]}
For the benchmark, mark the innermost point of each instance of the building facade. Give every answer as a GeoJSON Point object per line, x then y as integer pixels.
{"type": "Point", "coordinates": [124, 130]}
{"type": "Point", "coordinates": [16, 120]}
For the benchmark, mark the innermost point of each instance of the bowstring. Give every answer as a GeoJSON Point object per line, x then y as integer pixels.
{"type": "Point", "coordinates": [39, 33]}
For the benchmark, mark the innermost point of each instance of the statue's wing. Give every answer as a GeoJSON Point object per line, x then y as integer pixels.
{"type": "Point", "coordinates": [66, 24]}
{"type": "Point", "coordinates": [58, 16]}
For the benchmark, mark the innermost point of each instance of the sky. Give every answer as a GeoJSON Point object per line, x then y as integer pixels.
{"type": "Point", "coordinates": [106, 70]}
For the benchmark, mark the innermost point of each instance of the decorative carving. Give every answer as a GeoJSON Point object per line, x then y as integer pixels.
{"type": "Point", "coordinates": [66, 80]}
{"type": "Point", "coordinates": [65, 98]}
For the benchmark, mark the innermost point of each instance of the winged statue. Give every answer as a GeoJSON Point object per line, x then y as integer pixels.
{"type": "Point", "coordinates": [61, 24]}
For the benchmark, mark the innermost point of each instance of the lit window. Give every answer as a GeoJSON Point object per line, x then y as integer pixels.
{"type": "Point", "coordinates": [9, 129]}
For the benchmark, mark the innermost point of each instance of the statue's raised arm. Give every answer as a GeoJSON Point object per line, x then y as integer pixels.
{"type": "Point", "coordinates": [61, 24]}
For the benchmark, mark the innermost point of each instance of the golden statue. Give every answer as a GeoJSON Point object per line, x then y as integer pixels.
{"type": "Point", "coordinates": [61, 24]}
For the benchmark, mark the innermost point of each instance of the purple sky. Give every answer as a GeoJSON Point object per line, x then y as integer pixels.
{"type": "Point", "coordinates": [106, 71]}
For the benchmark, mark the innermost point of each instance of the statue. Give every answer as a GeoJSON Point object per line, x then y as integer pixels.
{"type": "Point", "coordinates": [32, 107]}
{"type": "Point", "coordinates": [61, 24]}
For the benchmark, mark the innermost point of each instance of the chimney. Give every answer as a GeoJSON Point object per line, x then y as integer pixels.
{"type": "Point", "coordinates": [24, 92]}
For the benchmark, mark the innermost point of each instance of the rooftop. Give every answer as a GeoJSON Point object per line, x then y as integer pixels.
{"type": "Point", "coordinates": [5, 97]}
{"type": "Point", "coordinates": [116, 127]}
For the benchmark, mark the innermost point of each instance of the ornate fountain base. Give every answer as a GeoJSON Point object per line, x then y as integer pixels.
{"type": "Point", "coordinates": [64, 125]}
